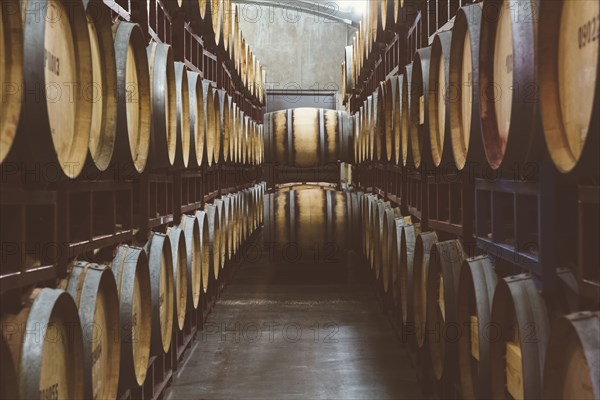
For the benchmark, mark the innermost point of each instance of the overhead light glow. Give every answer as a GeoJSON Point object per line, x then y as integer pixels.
{"type": "Point", "coordinates": [353, 6]}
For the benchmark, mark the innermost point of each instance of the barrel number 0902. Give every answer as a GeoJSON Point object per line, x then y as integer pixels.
{"type": "Point", "coordinates": [588, 32]}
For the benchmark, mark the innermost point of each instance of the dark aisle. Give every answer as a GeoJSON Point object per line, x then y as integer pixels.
{"type": "Point", "coordinates": [268, 339]}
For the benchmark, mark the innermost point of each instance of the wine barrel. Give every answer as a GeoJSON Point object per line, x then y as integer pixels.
{"type": "Point", "coordinates": [349, 69]}
{"type": "Point", "coordinates": [240, 137]}
{"type": "Point", "coordinates": [226, 25]}
{"type": "Point", "coordinates": [523, 318]}
{"type": "Point", "coordinates": [572, 366]}
{"type": "Point", "coordinates": [419, 98]}
{"type": "Point", "coordinates": [160, 264]}
{"type": "Point", "coordinates": [50, 362]}
{"type": "Point", "coordinates": [508, 64]}
{"type": "Point", "coordinates": [163, 89]}
{"type": "Point", "coordinates": [214, 235]}
{"type": "Point", "coordinates": [230, 133]}
{"type": "Point", "coordinates": [477, 284]}
{"type": "Point", "coordinates": [103, 128]}
{"type": "Point", "coordinates": [463, 88]}
{"type": "Point", "coordinates": [94, 290]}
{"type": "Point", "coordinates": [246, 139]}
{"type": "Point", "coordinates": [212, 121]}
{"type": "Point", "coordinates": [374, 126]}
{"type": "Point", "coordinates": [379, 133]}
{"type": "Point", "coordinates": [569, 90]}
{"type": "Point", "coordinates": [438, 107]}
{"type": "Point", "coordinates": [130, 268]}
{"type": "Point", "coordinates": [134, 108]}
{"type": "Point", "coordinates": [408, 240]}
{"type": "Point", "coordinates": [205, 253]}
{"type": "Point", "coordinates": [366, 223]}
{"type": "Point", "coordinates": [357, 145]}
{"type": "Point", "coordinates": [396, 254]}
{"type": "Point", "coordinates": [308, 137]}
{"type": "Point", "coordinates": [388, 247]}
{"type": "Point", "coordinates": [372, 209]}
{"type": "Point", "coordinates": [182, 154]}
{"type": "Point", "coordinates": [216, 17]}
{"type": "Point", "coordinates": [235, 133]}
{"type": "Point", "coordinates": [55, 129]}
{"type": "Point", "coordinates": [191, 231]}
{"type": "Point", "coordinates": [223, 211]}
{"type": "Point", "coordinates": [442, 317]}
{"type": "Point", "coordinates": [11, 74]}
{"type": "Point", "coordinates": [231, 207]}
{"type": "Point", "coordinates": [180, 276]}
{"type": "Point", "coordinates": [197, 119]}
{"type": "Point", "coordinates": [367, 126]}
{"type": "Point", "coordinates": [392, 118]}
{"type": "Point", "coordinates": [219, 101]}
{"type": "Point", "coordinates": [408, 129]}
{"type": "Point", "coordinates": [423, 248]}
{"type": "Point", "coordinates": [235, 37]}
{"type": "Point", "coordinates": [243, 60]}
{"type": "Point", "coordinates": [382, 206]}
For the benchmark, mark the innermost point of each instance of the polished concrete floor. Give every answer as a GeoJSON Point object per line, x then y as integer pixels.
{"type": "Point", "coordinates": [323, 336]}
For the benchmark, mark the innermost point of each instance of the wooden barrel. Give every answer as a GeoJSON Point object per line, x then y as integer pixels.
{"type": "Point", "coordinates": [373, 228]}
{"type": "Point", "coordinates": [235, 37]}
{"type": "Point", "coordinates": [231, 236]}
{"type": "Point", "coordinates": [50, 362]}
{"type": "Point", "coordinates": [508, 64]}
{"type": "Point", "coordinates": [438, 107]}
{"type": "Point", "coordinates": [214, 237]}
{"type": "Point", "coordinates": [379, 248]}
{"type": "Point", "coordinates": [396, 254]}
{"type": "Point", "coordinates": [227, 232]}
{"type": "Point", "coordinates": [191, 231]}
{"type": "Point", "coordinates": [442, 316]}
{"type": "Point", "coordinates": [367, 223]}
{"type": "Point", "coordinates": [251, 71]}
{"type": "Point", "coordinates": [162, 297]}
{"type": "Point", "coordinates": [308, 137]}
{"type": "Point", "coordinates": [180, 276]}
{"type": "Point", "coordinates": [368, 105]}
{"type": "Point", "coordinates": [130, 268]}
{"type": "Point", "coordinates": [373, 126]}
{"type": "Point", "coordinates": [94, 290]}
{"type": "Point", "coordinates": [226, 25]}
{"type": "Point", "coordinates": [205, 252]}
{"type": "Point", "coordinates": [348, 69]}
{"type": "Point", "coordinates": [229, 133]}
{"type": "Point", "coordinates": [219, 101]}
{"type": "Point", "coordinates": [243, 60]}
{"type": "Point", "coordinates": [219, 203]}
{"type": "Point", "coordinates": [379, 135]}
{"type": "Point", "coordinates": [423, 248]}
{"type": "Point", "coordinates": [183, 138]}
{"type": "Point", "coordinates": [408, 129]}
{"type": "Point", "coordinates": [212, 121]}
{"type": "Point", "coordinates": [134, 108]}
{"type": "Point", "coordinates": [419, 98]}
{"type": "Point", "coordinates": [55, 124]}
{"type": "Point", "coordinates": [240, 133]}
{"type": "Point", "coordinates": [215, 9]}
{"type": "Point", "coordinates": [523, 318]}
{"type": "Point", "coordinates": [235, 131]}
{"type": "Point", "coordinates": [245, 135]}
{"type": "Point", "coordinates": [572, 366]}
{"type": "Point", "coordinates": [103, 90]}
{"type": "Point", "coordinates": [569, 89]}
{"type": "Point", "coordinates": [463, 88]}
{"type": "Point", "coordinates": [392, 118]}
{"type": "Point", "coordinates": [197, 120]}
{"type": "Point", "coordinates": [163, 89]}
{"type": "Point", "coordinates": [357, 144]}
{"type": "Point", "coordinates": [11, 74]}
{"type": "Point", "coordinates": [476, 288]}
{"type": "Point", "coordinates": [388, 247]}
{"type": "Point", "coordinates": [408, 241]}
{"type": "Point", "coordinates": [225, 134]}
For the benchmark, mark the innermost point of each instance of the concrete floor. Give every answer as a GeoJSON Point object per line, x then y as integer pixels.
{"type": "Point", "coordinates": [322, 338]}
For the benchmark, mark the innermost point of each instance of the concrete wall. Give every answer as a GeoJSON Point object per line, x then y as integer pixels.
{"type": "Point", "coordinates": [299, 50]}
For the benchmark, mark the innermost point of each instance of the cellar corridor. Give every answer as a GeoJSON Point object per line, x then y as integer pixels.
{"type": "Point", "coordinates": [322, 336]}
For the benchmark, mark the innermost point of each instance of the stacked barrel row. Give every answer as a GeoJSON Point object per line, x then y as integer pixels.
{"type": "Point", "coordinates": [219, 21]}
{"type": "Point", "coordinates": [489, 90]}
{"type": "Point", "coordinates": [308, 137]}
{"type": "Point", "coordinates": [381, 18]}
{"type": "Point", "coordinates": [488, 332]}
{"type": "Point", "coordinates": [95, 95]}
{"type": "Point", "coordinates": [98, 330]}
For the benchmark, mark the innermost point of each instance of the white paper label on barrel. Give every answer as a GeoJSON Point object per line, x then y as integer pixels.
{"type": "Point", "coordinates": [62, 87]}
{"type": "Point", "coordinates": [503, 74]}
{"type": "Point", "coordinates": [95, 92]}
{"type": "Point", "coordinates": [56, 362]}
{"type": "Point", "coordinates": [579, 41]}
{"type": "Point", "coordinates": [132, 102]}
